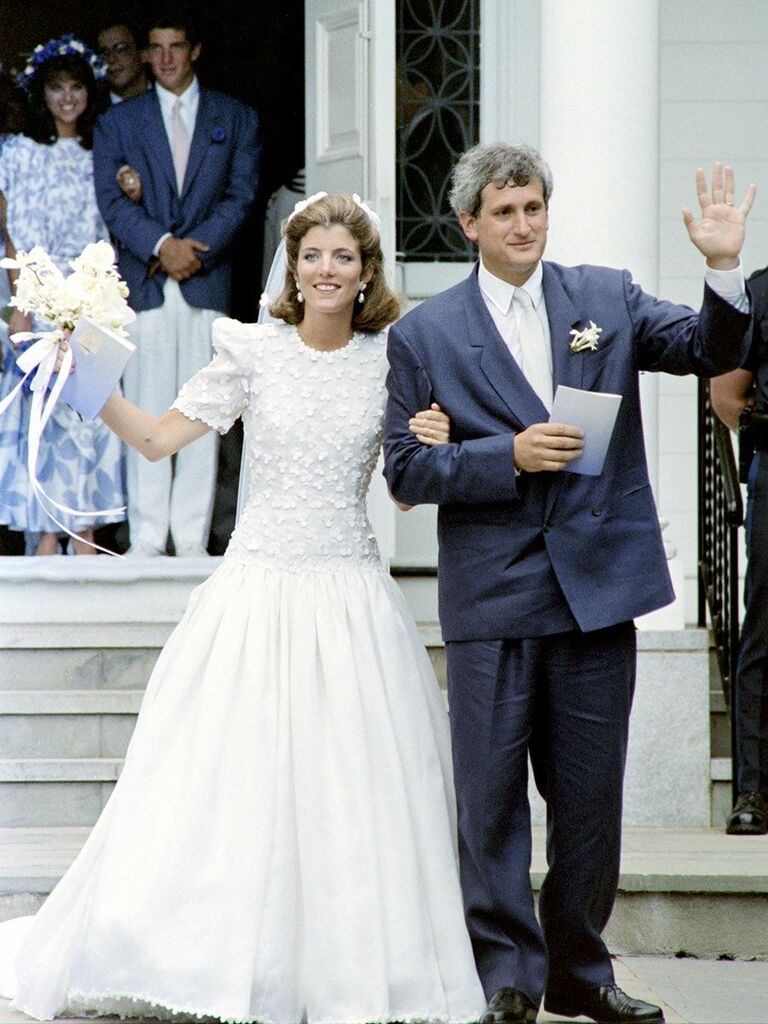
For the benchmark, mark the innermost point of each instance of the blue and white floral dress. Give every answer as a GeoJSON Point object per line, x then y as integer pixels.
{"type": "Point", "coordinates": [52, 202]}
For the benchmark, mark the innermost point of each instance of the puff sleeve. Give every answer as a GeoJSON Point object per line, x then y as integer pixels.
{"type": "Point", "coordinates": [219, 393]}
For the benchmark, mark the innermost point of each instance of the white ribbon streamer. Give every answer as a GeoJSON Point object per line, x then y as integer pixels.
{"type": "Point", "coordinates": [41, 358]}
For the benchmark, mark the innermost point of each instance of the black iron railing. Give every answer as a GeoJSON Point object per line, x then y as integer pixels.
{"type": "Point", "coordinates": [721, 513]}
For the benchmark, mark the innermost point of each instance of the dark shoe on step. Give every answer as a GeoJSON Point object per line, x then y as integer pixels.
{"type": "Point", "coordinates": [605, 1005]}
{"type": "Point", "coordinates": [509, 1006]}
{"type": "Point", "coordinates": [749, 816]}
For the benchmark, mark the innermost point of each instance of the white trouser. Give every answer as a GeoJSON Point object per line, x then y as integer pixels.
{"type": "Point", "coordinates": [173, 342]}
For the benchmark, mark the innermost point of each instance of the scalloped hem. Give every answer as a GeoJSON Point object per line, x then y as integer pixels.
{"type": "Point", "coordinates": [124, 1006]}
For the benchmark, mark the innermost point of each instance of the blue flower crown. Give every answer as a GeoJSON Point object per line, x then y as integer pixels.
{"type": "Point", "coordinates": [64, 46]}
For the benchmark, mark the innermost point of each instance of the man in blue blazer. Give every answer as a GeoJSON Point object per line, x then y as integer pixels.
{"type": "Point", "coordinates": [542, 571]}
{"type": "Point", "coordinates": [197, 154]}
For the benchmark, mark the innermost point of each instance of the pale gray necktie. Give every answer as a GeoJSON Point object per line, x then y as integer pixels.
{"type": "Point", "coordinates": [179, 144]}
{"type": "Point", "coordinates": [535, 349]}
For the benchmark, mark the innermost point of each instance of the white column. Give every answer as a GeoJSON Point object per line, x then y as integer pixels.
{"type": "Point", "coordinates": [599, 132]}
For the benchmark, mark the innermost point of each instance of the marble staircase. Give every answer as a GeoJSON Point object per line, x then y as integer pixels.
{"type": "Point", "coordinates": [78, 641]}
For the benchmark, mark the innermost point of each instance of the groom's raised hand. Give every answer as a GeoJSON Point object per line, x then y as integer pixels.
{"type": "Point", "coordinates": [547, 447]}
{"type": "Point", "coordinates": [719, 234]}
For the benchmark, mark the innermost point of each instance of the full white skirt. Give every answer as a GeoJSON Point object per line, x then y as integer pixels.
{"type": "Point", "coordinates": [281, 844]}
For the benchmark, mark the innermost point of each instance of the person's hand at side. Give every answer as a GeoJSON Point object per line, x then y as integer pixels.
{"type": "Point", "coordinates": [547, 447]}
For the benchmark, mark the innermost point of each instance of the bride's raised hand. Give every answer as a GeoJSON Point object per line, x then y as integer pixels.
{"type": "Point", "coordinates": [431, 426]}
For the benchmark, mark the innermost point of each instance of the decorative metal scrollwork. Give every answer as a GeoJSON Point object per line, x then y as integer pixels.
{"type": "Point", "coordinates": [438, 117]}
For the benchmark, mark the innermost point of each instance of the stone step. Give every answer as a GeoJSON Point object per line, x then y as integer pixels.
{"type": "Point", "coordinates": [60, 769]}
{"type": "Point", "coordinates": [70, 702]}
{"type": "Point", "coordinates": [694, 889]}
{"type": "Point", "coordinates": [96, 590]}
{"type": "Point", "coordinates": [55, 791]}
{"type": "Point", "coordinates": [67, 723]}
{"type": "Point", "coordinates": [105, 655]}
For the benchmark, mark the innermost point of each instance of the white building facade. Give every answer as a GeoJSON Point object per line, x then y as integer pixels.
{"type": "Point", "coordinates": [625, 98]}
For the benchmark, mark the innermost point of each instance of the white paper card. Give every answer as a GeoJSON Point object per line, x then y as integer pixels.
{"type": "Point", "coordinates": [595, 413]}
{"type": "Point", "coordinates": [100, 358]}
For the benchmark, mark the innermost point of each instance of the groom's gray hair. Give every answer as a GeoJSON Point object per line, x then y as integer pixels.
{"type": "Point", "coordinates": [503, 164]}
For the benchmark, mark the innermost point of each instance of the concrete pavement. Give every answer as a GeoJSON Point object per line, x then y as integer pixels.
{"type": "Point", "coordinates": [690, 991]}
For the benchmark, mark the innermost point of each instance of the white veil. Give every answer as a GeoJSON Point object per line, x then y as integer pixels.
{"type": "Point", "coordinates": [273, 287]}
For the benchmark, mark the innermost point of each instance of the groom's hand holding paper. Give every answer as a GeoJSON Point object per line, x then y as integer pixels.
{"type": "Point", "coordinates": [594, 413]}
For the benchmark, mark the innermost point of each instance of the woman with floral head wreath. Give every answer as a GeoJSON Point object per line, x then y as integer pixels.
{"type": "Point", "coordinates": [281, 844]}
{"type": "Point", "coordinates": [46, 175]}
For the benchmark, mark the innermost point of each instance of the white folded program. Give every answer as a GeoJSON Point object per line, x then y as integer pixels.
{"type": "Point", "coordinates": [100, 357]}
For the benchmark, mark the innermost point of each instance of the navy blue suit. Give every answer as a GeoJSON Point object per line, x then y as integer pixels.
{"type": "Point", "coordinates": [540, 576]}
{"type": "Point", "coordinates": [220, 186]}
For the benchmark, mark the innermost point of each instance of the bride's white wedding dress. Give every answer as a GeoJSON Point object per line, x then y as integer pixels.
{"type": "Point", "coordinates": [281, 844]}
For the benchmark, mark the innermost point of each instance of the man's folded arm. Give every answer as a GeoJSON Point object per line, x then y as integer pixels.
{"type": "Point", "coordinates": [127, 221]}
{"type": "Point", "coordinates": [473, 471]}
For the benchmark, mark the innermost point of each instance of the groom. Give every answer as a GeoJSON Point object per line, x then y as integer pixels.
{"type": "Point", "coordinates": [542, 571]}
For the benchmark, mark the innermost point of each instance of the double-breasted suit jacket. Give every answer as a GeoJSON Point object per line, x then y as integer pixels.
{"type": "Point", "coordinates": [539, 553]}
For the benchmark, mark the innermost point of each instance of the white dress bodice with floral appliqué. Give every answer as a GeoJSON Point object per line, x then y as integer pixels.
{"type": "Point", "coordinates": [313, 426]}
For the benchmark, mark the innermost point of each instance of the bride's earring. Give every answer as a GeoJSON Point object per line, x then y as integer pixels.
{"type": "Point", "coordinates": [299, 296]}
{"type": "Point", "coordinates": [360, 295]}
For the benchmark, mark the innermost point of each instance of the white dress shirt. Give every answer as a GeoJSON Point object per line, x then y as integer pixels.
{"type": "Point", "coordinates": [498, 296]}
{"type": "Point", "coordinates": [189, 101]}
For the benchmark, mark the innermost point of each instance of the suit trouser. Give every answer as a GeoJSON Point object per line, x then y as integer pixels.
{"type": "Point", "coordinates": [565, 699]}
{"type": "Point", "coordinates": [751, 686]}
{"type": "Point", "coordinates": [173, 342]}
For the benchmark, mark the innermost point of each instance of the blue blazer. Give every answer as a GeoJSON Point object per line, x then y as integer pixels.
{"type": "Point", "coordinates": [220, 186]}
{"type": "Point", "coordinates": [542, 552]}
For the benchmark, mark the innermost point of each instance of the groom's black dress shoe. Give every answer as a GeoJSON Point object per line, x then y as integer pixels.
{"type": "Point", "coordinates": [605, 1005]}
{"type": "Point", "coordinates": [509, 1006]}
{"type": "Point", "coordinates": [749, 817]}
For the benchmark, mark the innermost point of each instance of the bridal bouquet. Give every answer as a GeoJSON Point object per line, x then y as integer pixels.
{"type": "Point", "coordinates": [92, 290]}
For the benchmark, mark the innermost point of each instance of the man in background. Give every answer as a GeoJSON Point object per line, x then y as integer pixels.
{"type": "Point", "coordinates": [198, 156]}
{"type": "Point", "coordinates": [126, 72]}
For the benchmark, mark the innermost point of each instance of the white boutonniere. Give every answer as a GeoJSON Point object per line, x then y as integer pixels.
{"type": "Point", "coordinates": [586, 340]}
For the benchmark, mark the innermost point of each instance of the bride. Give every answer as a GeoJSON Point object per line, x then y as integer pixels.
{"type": "Point", "coordinates": [281, 844]}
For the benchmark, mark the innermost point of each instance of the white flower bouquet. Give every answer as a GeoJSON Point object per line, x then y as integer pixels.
{"type": "Point", "coordinates": [93, 289]}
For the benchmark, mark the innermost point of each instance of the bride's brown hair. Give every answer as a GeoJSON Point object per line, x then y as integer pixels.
{"type": "Point", "coordinates": [381, 306]}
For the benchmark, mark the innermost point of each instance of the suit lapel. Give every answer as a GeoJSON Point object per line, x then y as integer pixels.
{"type": "Point", "coordinates": [201, 139]}
{"type": "Point", "coordinates": [567, 367]}
{"type": "Point", "coordinates": [157, 139]}
{"type": "Point", "coordinates": [497, 363]}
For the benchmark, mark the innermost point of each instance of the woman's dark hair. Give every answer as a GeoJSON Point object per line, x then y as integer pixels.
{"type": "Point", "coordinates": [13, 106]}
{"type": "Point", "coordinates": [42, 127]}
